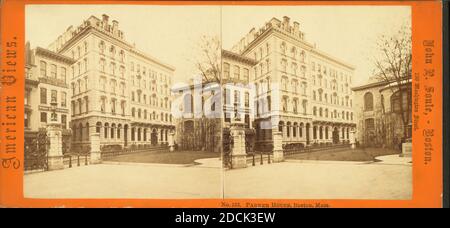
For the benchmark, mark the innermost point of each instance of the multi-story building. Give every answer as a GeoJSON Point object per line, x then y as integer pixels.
{"type": "Point", "coordinates": [238, 92]}
{"type": "Point", "coordinates": [116, 89]}
{"type": "Point", "coordinates": [198, 116]}
{"type": "Point", "coordinates": [299, 90]}
{"type": "Point", "coordinates": [208, 109]}
{"type": "Point", "coordinates": [378, 111]}
{"type": "Point", "coordinates": [47, 92]}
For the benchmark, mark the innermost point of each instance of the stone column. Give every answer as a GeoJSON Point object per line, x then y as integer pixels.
{"type": "Point", "coordinates": [330, 134]}
{"type": "Point", "coordinates": [406, 149]}
{"type": "Point", "coordinates": [277, 147]}
{"type": "Point", "coordinates": [159, 136]}
{"type": "Point", "coordinates": [96, 155]}
{"type": "Point", "coordinates": [55, 155]}
{"type": "Point", "coordinates": [129, 142]}
{"type": "Point", "coordinates": [238, 153]}
{"type": "Point", "coordinates": [311, 135]}
{"type": "Point", "coordinates": [352, 139]}
{"type": "Point", "coordinates": [171, 141]}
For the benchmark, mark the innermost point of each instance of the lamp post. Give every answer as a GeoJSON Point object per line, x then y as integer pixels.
{"type": "Point", "coordinates": [55, 155]}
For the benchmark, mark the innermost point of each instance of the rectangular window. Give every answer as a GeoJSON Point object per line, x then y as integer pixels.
{"type": "Point", "coordinates": [27, 97]}
{"type": "Point", "coordinates": [43, 96]}
{"type": "Point", "coordinates": [237, 97]}
{"type": "Point", "coordinates": [227, 96]}
{"type": "Point", "coordinates": [226, 70]}
{"type": "Point", "coordinates": [245, 74]}
{"type": "Point", "coordinates": [85, 65]}
{"type": "Point", "coordinates": [64, 121]}
{"type": "Point", "coordinates": [236, 72]}
{"type": "Point", "coordinates": [43, 69]}
{"type": "Point", "coordinates": [43, 117]}
{"type": "Point", "coordinates": [370, 124]}
{"type": "Point", "coordinates": [247, 99]}
{"type": "Point", "coordinates": [54, 96]}
{"type": "Point", "coordinates": [63, 74]}
{"type": "Point", "coordinates": [63, 99]}
{"type": "Point", "coordinates": [27, 121]}
{"type": "Point", "coordinates": [53, 71]}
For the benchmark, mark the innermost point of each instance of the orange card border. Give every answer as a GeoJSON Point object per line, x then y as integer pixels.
{"type": "Point", "coordinates": [427, 178]}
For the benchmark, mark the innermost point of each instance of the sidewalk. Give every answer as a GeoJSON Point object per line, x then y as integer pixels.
{"type": "Point", "coordinates": [152, 181]}
{"type": "Point", "coordinates": [285, 180]}
{"type": "Point", "coordinates": [394, 160]}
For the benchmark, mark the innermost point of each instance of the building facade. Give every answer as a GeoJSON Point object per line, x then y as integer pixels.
{"type": "Point", "coordinates": [116, 90]}
{"type": "Point", "coordinates": [380, 123]}
{"type": "Point", "coordinates": [198, 117]}
{"type": "Point", "coordinates": [238, 92]}
{"type": "Point", "coordinates": [47, 93]}
{"type": "Point", "coordinates": [299, 90]}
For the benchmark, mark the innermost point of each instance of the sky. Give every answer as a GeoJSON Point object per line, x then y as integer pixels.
{"type": "Point", "coordinates": [168, 33]}
{"type": "Point", "coordinates": [172, 33]}
{"type": "Point", "coordinates": [348, 33]}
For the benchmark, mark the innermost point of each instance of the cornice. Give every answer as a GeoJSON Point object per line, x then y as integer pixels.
{"type": "Point", "coordinates": [55, 56]}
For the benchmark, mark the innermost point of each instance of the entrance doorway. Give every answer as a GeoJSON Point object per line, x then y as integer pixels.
{"type": "Point", "coordinates": [307, 134]}
{"type": "Point", "coordinates": [125, 135]}
{"type": "Point", "coordinates": [335, 135]}
{"type": "Point", "coordinates": [154, 137]}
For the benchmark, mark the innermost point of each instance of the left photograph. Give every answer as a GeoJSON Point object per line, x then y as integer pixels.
{"type": "Point", "coordinates": [114, 99]}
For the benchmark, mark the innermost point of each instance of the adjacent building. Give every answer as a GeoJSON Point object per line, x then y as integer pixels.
{"type": "Point", "coordinates": [299, 90]}
{"type": "Point", "coordinates": [47, 93]}
{"type": "Point", "coordinates": [379, 111]}
{"type": "Point", "coordinates": [198, 116]}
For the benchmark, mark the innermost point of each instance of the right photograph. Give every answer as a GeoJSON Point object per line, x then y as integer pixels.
{"type": "Point", "coordinates": [317, 102]}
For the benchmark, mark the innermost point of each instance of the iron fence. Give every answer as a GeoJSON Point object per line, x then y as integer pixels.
{"type": "Point", "coordinates": [110, 153]}
{"type": "Point", "coordinates": [294, 151]}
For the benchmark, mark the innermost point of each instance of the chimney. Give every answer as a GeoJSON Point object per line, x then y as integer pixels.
{"type": "Point", "coordinates": [105, 18]}
{"type": "Point", "coordinates": [115, 27]}
{"type": "Point", "coordinates": [286, 22]}
{"type": "Point", "coordinates": [27, 53]}
{"type": "Point", "coordinates": [252, 34]}
{"type": "Point", "coordinates": [105, 21]}
{"type": "Point", "coordinates": [296, 28]}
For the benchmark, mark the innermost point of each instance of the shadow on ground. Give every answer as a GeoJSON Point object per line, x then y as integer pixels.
{"type": "Point", "coordinates": [165, 157]}
{"type": "Point", "coordinates": [360, 154]}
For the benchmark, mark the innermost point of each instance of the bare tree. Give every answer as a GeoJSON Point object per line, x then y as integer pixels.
{"type": "Point", "coordinates": [393, 66]}
{"type": "Point", "coordinates": [209, 62]}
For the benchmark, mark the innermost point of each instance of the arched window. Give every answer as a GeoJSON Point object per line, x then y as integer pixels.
{"type": "Point", "coordinates": [106, 130]}
{"type": "Point", "coordinates": [98, 127]}
{"type": "Point", "coordinates": [368, 102]}
{"type": "Point", "coordinates": [315, 132]}
{"type": "Point", "coordinates": [399, 104]}
{"type": "Point", "coordinates": [113, 126]}
{"type": "Point", "coordinates": [280, 126]}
